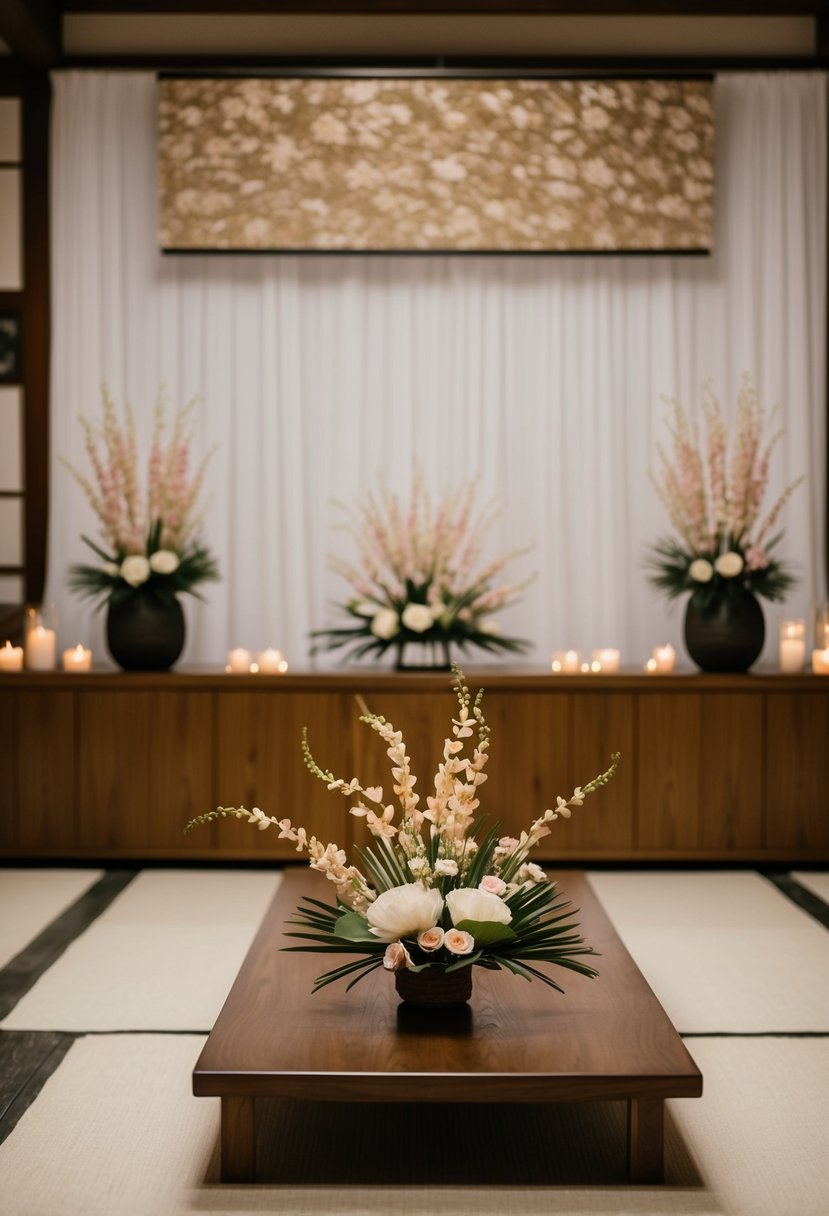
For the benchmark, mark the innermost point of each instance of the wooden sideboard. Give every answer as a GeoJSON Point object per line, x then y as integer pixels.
{"type": "Point", "coordinates": [111, 765]}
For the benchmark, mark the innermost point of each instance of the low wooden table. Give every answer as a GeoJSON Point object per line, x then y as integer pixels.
{"type": "Point", "coordinates": [518, 1042]}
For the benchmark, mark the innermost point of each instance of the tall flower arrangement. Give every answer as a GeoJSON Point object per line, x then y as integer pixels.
{"type": "Point", "coordinates": [435, 889]}
{"type": "Point", "coordinates": [713, 491]}
{"type": "Point", "coordinates": [420, 576]}
{"type": "Point", "coordinates": [148, 535]}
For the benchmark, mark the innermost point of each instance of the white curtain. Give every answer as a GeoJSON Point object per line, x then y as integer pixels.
{"type": "Point", "coordinates": [540, 378]}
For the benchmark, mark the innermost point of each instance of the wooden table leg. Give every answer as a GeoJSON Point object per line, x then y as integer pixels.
{"type": "Point", "coordinates": [646, 1139]}
{"type": "Point", "coordinates": [238, 1140]}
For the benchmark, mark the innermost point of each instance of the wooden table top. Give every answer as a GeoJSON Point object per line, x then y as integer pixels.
{"type": "Point", "coordinates": [515, 1041]}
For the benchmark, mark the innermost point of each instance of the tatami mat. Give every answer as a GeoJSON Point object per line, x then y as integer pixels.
{"type": "Point", "coordinates": [816, 882]}
{"type": "Point", "coordinates": [31, 899]}
{"type": "Point", "coordinates": [723, 951]}
{"type": "Point", "coordinates": [163, 956]}
{"type": "Point", "coordinates": [116, 1130]}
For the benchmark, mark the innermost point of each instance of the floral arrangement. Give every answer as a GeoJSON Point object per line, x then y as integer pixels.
{"type": "Point", "coordinates": [419, 577]}
{"type": "Point", "coordinates": [148, 539]}
{"type": "Point", "coordinates": [713, 497]}
{"type": "Point", "coordinates": [435, 890]}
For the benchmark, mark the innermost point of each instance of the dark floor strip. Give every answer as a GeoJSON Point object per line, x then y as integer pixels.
{"type": "Point", "coordinates": [753, 1034]}
{"type": "Point", "coordinates": [27, 1060]}
{"type": "Point", "coordinates": [798, 894]}
{"type": "Point", "coordinates": [26, 968]}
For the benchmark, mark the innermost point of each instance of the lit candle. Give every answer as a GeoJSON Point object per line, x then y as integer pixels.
{"type": "Point", "coordinates": [271, 661]}
{"type": "Point", "coordinates": [238, 660]}
{"type": "Point", "coordinates": [792, 645]}
{"type": "Point", "coordinates": [568, 661]}
{"type": "Point", "coordinates": [607, 659]}
{"type": "Point", "coordinates": [650, 667]}
{"type": "Point", "coordinates": [77, 659]}
{"type": "Point", "coordinates": [11, 658]}
{"type": "Point", "coordinates": [664, 658]}
{"type": "Point", "coordinates": [820, 662]}
{"type": "Point", "coordinates": [40, 649]}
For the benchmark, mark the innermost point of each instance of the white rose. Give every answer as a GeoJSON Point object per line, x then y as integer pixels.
{"type": "Point", "coordinates": [447, 867]}
{"type": "Point", "coordinates": [487, 625]}
{"type": "Point", "coordinates": [404, 911]}
{"type": "Point", "coordinates": [701, 571]}
{"type": "Point", "coordinates": [135, 570]}
{"type": "Point", "coordinates": [729, 565]}
{"type": "Point", "coordinates": [365, 608]}
{"type": "Point", "coordinates": [417, 617]}
{"type": "Point", "coordinates": [164, 561]}
{"type": "Point", "coordinates": [468, 903]}
{"type": "Point", "coordinates": [385, 624]}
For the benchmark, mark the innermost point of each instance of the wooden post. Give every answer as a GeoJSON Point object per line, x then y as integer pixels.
{"type": "Point", "coordinates": [238, 1136]}
{"type": "Point", "coordinates": [646, 1139]}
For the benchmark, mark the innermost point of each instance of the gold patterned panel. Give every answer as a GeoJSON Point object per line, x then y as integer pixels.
{"type": "Point", "coordinates": [530, 165]}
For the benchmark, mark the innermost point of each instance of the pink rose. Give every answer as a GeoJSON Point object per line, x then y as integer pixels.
{"type": "Point", "coordinates": [396, 957]}
{"type": "Point", "coordinates": [493, 884]}
{"type": "Point", "coordinates": [458, 942]}
{"type": "Point", "coordinates": [431, 940]}
{"type": "Point", "coordinates": [508, 842]}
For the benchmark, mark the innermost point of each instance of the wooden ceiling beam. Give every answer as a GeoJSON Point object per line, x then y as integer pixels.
{"type": "Point", "coordinates": [572, 8]}
{"type": "Point", "coordinates": [32, 31]}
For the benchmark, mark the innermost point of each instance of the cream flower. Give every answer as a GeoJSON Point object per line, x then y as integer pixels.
{"type": "Point", "coordinates": [404, 911]}
{"type": "Point", "coordinates": [385, 624]}
{"type": "Point", "coordinates": [468, 903]}
{"type": "Point", "coordinates": [446, 866]}
{"type": "Point", "coordinates": [396, 957]}
{"type": "Point", "coordinates": [164, 561]}
{"type": "Point", "coordinates": [729, 564]}
{"type": "Point", "coordinates": [431, 939]}
{"type": "Point", "coordinates": [493, 884]}
{"type": "Point", "coordinates": [458, 942]}
{"type": "Point", "coordinates": [135, 570]}
{"type": "Point", "coordinates": [701, 571]}
{"type": "Point", "coordinates": [417, 617]}
{"type": "Point", "coordinates": [110, 568]}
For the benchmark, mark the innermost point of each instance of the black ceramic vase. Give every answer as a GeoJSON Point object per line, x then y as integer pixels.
{"type": "Point", "coordinates": [724, 632]}
{"type": "Point", "coordinates": [434, 987]}
{"type": "Point", "coordinates": [144, 632]}
{"type": "Point", "coordinates": [423, 655]}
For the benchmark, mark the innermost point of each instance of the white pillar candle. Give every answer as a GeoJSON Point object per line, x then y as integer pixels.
{"type": "Point", "coordinates": [568, 661]}
{"type": "Point", "coordinates": [79, 658]}
{"type": "Point", "coordinates": [40, 649]}
{"type": "Point", "coordinates": [271, 661]}
{"type": "Point", "coordinates": [607, 659]}
{"type": "Point", "coordinates": [820, 662]}
{"type": "Point", "coordinates": [238, 660]}
{"type": "Point", "coordinates": [664, 657]}
{"type": "Point", "coordinates": [792, 645]}
{"type": "Point", "coordinates": [11, 658]}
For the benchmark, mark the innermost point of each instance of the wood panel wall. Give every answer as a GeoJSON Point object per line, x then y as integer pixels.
{"type": "Point", "coordinates": [113, 765]}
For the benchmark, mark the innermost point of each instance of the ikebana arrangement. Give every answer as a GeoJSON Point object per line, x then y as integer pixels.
{"type": "Point", "coordinates": [713, 490]}
{"type": "Point", "coordinates": [149, 551]}
{"type": "Point", "coordinates": [419, 578]}
{"type": "Point", "coordinates": [435, 893]}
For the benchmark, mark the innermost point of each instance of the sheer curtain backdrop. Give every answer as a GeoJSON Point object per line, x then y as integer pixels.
{"type": "Point", "coordinates": [541, 378]}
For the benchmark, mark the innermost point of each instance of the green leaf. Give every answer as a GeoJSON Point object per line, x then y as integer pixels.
{"type": "Point", "coordinates": [487, 932]}
{"type": "Point", "coordinates": [354, 928]}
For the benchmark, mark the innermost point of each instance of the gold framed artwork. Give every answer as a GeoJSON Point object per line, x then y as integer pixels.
{"type": "Point", "coordinates": [435, 164]}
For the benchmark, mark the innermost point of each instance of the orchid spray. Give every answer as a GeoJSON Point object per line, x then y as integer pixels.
{"type": "Point", "coordinates": [148, 536]}
{"type": "Point", "coordinates": [436, 888]}
{"type": "Point", "coordinates": [420, 576]}
{"type": "Point", "coordinates": [713, 492]}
